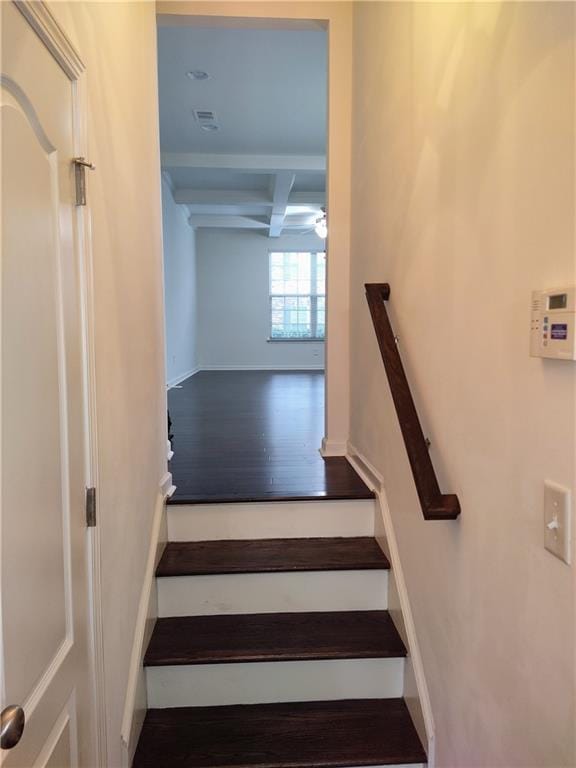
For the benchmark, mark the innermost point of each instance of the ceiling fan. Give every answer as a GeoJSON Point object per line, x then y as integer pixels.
{"type": "Point", "coordinates": [320, 227]}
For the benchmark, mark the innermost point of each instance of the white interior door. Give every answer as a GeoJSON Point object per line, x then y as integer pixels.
{"type": "Point", "coordinates": [45, 657]}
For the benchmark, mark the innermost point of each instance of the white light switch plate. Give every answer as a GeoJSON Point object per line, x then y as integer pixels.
{"type": "Point", "coordinates": [557, 520]}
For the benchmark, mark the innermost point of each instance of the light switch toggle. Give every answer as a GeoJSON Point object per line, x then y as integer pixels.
{"type": "Point", "coordinates": [557, 520]}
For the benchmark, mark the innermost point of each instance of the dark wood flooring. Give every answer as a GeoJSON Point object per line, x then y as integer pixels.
{"type": "Point", "coordinates": [237, 638]}
{"type": "Point", "coordinates": [254, 436]}
{"type": "Point", "coordinates": [319, 734]}
{"type": "Point", "coordinates": [198, 558]}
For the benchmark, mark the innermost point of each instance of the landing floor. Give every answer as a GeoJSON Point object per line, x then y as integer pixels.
{"type": "Point", "coordinates": [254, 436]}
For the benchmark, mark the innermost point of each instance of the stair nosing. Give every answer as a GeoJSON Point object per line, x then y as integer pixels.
{"type": "Point", "coordinates": [190, 500]}
{"type": "Point", "coordinates": [271, 659]}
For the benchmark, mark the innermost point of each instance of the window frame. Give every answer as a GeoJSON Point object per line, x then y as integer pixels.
{"type": "Point", "coordinates": [312, 296]}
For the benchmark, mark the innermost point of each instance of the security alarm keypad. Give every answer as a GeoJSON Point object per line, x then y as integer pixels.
{"type": "Point", "coordinates": [552, 324]}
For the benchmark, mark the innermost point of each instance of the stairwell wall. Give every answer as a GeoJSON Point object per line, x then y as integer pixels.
{"type": "Point", "coordinates": [463, 200]}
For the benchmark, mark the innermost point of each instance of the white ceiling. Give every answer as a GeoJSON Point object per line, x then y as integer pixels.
{"type": "Point", "coordinates": [268, 91]}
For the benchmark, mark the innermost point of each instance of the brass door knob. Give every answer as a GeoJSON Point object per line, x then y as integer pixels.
{"type": "Point", "coordinates": [12, 721]}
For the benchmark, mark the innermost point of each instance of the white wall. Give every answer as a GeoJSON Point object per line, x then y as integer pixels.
{"type": "Point", "coordinates": [463, 199]}
{"type": "Point", "coordinates": [179, 288]}
{"type": "Point", "coordinates": [234, 305]}
{"type": "Point", "coordinates": [117, 42]}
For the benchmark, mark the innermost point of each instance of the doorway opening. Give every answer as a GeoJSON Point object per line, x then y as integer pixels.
{"type": "Point", "coordinates": [243, 118]}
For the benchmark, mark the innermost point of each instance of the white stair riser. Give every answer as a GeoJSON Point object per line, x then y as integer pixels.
{"type": "Point", "coordinates": [205, 522]}
{"type": "Point", "coordinates": [267, 682]}
{"type": "Point", "coordinates": [272, 593]}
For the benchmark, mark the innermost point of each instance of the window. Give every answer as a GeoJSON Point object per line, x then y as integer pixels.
{"type": "Point", "coordinates": [297, 296]}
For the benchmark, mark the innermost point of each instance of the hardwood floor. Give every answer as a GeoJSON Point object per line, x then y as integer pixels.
{"type": "Point", "coordinates": [254, 436]}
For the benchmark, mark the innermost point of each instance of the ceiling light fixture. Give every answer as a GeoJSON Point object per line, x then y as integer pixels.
{"type": "Point", "coordinates": [197, 74]}
{"type": "Point", "coordinates": [321, 227]}
{"type": "Point", "coordinates": [210, 127]}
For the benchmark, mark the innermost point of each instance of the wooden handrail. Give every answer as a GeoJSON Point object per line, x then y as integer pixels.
{"type": "Point", "coordinates": [435, 505]}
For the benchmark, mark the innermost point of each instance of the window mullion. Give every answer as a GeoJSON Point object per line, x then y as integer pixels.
{"type": "Point", "coordinates": [314, 316]}
{"type": "Point", "coordinates": [313, 297]}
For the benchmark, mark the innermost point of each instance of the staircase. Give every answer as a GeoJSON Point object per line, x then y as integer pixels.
{"type": "Point", "coordinates": [273, 647]}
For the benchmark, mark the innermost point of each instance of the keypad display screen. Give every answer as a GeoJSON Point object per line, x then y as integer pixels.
{"type": "Point", "coordinates": [559, 301]}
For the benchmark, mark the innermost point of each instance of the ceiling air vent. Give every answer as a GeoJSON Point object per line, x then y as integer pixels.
{"type": "Point", "coordinates": [203, 116]}
{"type": "Point", "coordinates": [206, 119]}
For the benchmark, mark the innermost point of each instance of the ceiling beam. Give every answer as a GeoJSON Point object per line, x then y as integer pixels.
{"type": "Point", "coordinates": [245, 163]}
{"type": "Point", "coordinates": [230, 210]}
{"type": "Point", "coordinates": [283, 184]}
{"type": "Point", "coordinates": [211, 197]}
{"type": "Point", "coordinates": [238, 197]}
{"type": "Point", "coordinates": [225, 222]}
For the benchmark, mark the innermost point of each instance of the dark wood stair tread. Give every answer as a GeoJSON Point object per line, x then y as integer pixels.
{"type": "Point", "coordinates": [225, 639]}
{"type": "Point", "coordinates": [193, 558]}
{"type": "Point", "coordinates": [250, 497]}
{"type": "Point", "coordinates": [326, 734]}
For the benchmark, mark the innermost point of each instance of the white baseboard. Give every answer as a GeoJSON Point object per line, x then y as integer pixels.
{"type": "Point", "coordinates": [367, 471]}
{"type": "Point", "coordinates": [415, 687]}
{"type": "Point", "coordinates": [167, 487]}
{"type": "Point", "coordinates": [261, 367]}
{"type": "Point", "coordinates": [182, 377]}
{"type": "Point", "coordinates": [333, 447]}
{"type": "Point", "coordinates": [135, 704]}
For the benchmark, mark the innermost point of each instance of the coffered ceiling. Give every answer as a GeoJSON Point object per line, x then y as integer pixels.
{"type": "Point", "coordinates": [243, 137]}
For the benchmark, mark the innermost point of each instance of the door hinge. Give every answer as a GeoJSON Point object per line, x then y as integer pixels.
{"type": "Point", "coordinates": [90, 507]}
{"type": "Point", "coordinates": [80, 165]}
